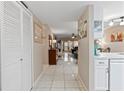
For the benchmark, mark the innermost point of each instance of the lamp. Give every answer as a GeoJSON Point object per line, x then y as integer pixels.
{"type": "Point", "coordinates": [122, 21]}
{"type": "Point", "coordinates": [116, 20]}
{"type": "Point", "coordinates": [111, 23]}
{"type": "Point", "coordinates": [73, 36]}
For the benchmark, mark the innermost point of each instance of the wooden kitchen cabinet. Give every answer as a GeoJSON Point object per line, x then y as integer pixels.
{"type": "Point", "coordinates": [101, 75]}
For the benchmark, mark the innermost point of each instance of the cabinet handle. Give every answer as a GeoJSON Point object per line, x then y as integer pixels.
{"type": "Point", "coordinates": [107, 70]}
{"type": "Point", "coordinates": [101, 62]}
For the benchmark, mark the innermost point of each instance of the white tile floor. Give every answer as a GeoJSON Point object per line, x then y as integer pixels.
{"type": "Point", "coordinates": [60, 77]}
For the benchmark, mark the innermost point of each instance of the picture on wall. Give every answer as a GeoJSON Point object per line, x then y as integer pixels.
{"type": "Point", "coordinates": [97, 26]}
{"type": "Point", "coordinates": [82, 31]}
{"type": "Point", "coordinates": [97, 30]}
{"type": "Point", "coordinates": [38, 33]}
{"type": "Point", "coordinates": [117, 37]}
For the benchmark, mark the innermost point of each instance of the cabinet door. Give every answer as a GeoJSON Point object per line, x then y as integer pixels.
{"type": "Point", "coordinates": [11, 47]}
{"type": "Point", "coordinates": [117, 75]}
{"type": "Point", "coordinates": [101, 75]}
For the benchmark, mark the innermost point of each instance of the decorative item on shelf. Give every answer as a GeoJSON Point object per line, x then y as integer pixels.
{"type": "Point", "coordinates": [120, 36]}
{"type": "Point", "coordinates": [117, 37]}
{"type": "Point", "coordinates": [112, 37]}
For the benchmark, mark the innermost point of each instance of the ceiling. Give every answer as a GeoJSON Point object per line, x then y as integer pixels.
{"type": "Point", "coordinates": [62, 16]}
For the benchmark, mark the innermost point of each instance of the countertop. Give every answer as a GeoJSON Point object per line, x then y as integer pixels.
{"type": "Point", "coordinates": [110, 56]}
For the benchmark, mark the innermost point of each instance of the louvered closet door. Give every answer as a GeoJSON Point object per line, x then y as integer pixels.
{"type": "Point", "coordinates": [11, 45]}
{"type": "Point", "coordinates": [27, 48]}
{"type": "Point", "coordinates": [1, 20]}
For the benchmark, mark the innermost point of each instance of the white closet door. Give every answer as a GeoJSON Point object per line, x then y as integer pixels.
{"type": "Point", "coordinates": [27, 48]}
{"type": "Point", "coordinates": [1, 21]}
{"type": "Point", "coordinates": [11, 46]}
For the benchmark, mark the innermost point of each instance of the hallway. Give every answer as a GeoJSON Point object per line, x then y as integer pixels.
{"type": "Point", "coordinates": [61, 46]}
{"type": "Point", "coordinates": [60, 77]}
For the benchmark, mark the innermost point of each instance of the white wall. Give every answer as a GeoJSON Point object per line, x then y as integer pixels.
{"type": "Point", "coordinates": [37, 60]}
{"type": "Point", "coordinates": [46, 46]}
{"type": "Point", "coordinates": [115, 46]}
{"type": "Point", "coordinates": [40, 52]}
{"type": "Point", "coordinates": [85, 61]}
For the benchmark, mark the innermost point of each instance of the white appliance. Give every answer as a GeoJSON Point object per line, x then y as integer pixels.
{"type": "Point", "coordinates": [116, 79]}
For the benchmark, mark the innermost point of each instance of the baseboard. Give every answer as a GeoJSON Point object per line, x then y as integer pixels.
{"type": "Point", "coordinates": [36, 81]}
{"type": "Point", "coordinates": [41, 74]}
{"type": "Point", "coordinates": [84, 86]}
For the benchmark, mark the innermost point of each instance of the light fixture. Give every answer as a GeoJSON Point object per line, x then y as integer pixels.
{"type": "Point", "coordinates": [54, 41]}
{"type": "Point", "coordinates": [73, 36]}
{"type": "Point", "coordinates": [116, 20]}
{"type": "Point", "coordinates": [111, 23]}
{"type": "Point", "coordinates": [122, 21]}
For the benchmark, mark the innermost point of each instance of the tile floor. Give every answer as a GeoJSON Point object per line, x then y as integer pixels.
{"type": "Point", "coordinates": [60, 77]}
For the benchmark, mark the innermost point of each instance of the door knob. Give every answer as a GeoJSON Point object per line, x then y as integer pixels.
{"type": "Point", "coordinates": [21, 59]}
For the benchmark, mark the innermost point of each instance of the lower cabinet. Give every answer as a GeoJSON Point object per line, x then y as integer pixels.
{"type": "Point", "coordinates": [101, 74]}
{"type": "Point", "coordinates": [117, 75]}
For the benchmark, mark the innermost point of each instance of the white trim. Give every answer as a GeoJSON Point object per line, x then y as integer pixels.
{"type": "Point", "coordinates": [37, 80]}
{"type": "Point", "coordinates": [32, 52]}
{"type": "Point", "coordinates": [83, 85]}
{"type": "Point", "coordinates": [41, 74]}
{"type": "Point", "coordinates": [26, 9]}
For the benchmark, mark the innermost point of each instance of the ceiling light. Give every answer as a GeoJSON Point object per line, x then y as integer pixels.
{"type": "Point", "coordinates": [73, 37]}
{"type": "Point", "coordinates": [111, 23]}
{"type": "Point", "coordinates": [122, 22]}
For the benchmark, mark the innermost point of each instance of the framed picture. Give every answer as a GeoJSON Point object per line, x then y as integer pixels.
{"type": "Point", "coordinates": [97, 26]}
{"type": "Point", "coordinates": [82, 31]}
{"type": "Point", "coordinates": [38, 32]}
{"type": "Point", "coordinates": [97, 30]}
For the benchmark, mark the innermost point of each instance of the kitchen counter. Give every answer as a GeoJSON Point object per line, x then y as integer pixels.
{"type": "Point", "coordinates": [109, 72]}
{"type": "Point", "coordinates": [110, 56]}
